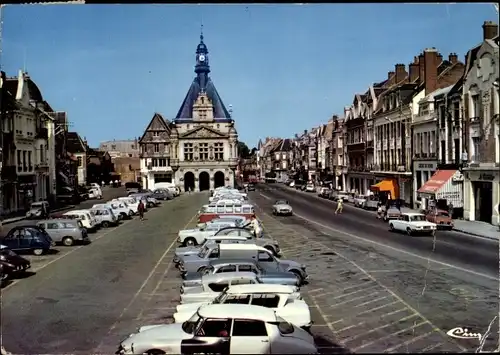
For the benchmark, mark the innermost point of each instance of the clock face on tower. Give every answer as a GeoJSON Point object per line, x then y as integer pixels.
{"type": "Point", "coordinates": [201, 58]}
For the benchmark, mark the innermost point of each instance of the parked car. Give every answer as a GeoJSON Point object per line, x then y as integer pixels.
{"type": "Point", "coordinates": [265, 273]}
{"type": "Point", "coordinates": [247, 232]}
{"type": "Point", "coordinates": [181, 252]}
{"type": "Point", "coordinates": [251, 187]}
{"type": "Point", "coordinates": [360, 200]}
{"type": "Point", "coordinates": [14, 264]}
{"type": "Point", "coordinates": [371, 203]}
{"type": "Point", "coordinates": [324, 192]}
{"type": "Point", "coordinates": [5, 272]}
{"type": "Point", "coordinates": [412, 223]}
{"type": "Point", "coordinates": [196, 236]}
{"type": "Point", "coordinates": [36, 210]}
{"type": "Point", "coordinates": [282, 207]}
{"type": "Point", "coordinates": [95, 193]}
{"type": "Point", "coordinates": [162, 195]}
{"type": "Point", "coordinates": [105, 216]}
{"type": "Point", "coordinates": [28, 239]}
{"type": "Point", "coordinates": [336, 195]}
{"type": "Point", "coordinates": [310, 188]}
{"type": "Point", "coordinates": [87, 220]}
{"type": "Point", "coordinates": [284, 300]}
{"type": "Point", "coordinates": [83, 192]}
{"type": "Point", "coordinates": [392, 213]}
{"type": "Point", "coordinates": [214, 284]}
{"type": "Point", "coordinates": [441, 218]}
{"type": "Point", "coordinates": [65, 231]}
{"type": "Point", "coordinates": [223, 329]}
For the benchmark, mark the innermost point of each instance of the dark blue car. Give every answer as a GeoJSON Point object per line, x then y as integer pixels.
{"type": "Point", "coordinates": [28, 239]}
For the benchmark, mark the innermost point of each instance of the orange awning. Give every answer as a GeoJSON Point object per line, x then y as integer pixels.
{"type": "Point", "coordinates": [387, 185]}
{"type": "Point", "coordinates": [436, 181]}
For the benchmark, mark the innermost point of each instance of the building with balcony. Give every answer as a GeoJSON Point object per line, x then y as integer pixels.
{"type": "Point", "coordinates": [481, 111]}
{"type": "Point", "coordinates": [199, 149]}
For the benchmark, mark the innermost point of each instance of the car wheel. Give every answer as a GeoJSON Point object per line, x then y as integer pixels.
{"type": "Point", "coordinates": [68, 241]}
{"type": "Point", "coordinates": [298, 275]}
{"type": "Point", "coordinates": [408, 231]}
{"type": "Point", "coordinates": [190, 242]}
{"type": "Point", "coordinates": [201, 269]}
{"type": "Point", "coordinates": [37, 252]}
{"type": "Point", "coordinates": [105, 224]}
{"type": "Point", "coordinates": [391, 227]}
{"type": "Point", "coordinates": [130, 213]}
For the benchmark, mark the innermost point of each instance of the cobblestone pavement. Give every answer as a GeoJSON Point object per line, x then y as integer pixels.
{"type": "Point", "coordinates": [87, 300]}
{"type": "Point", "coordinates": [371, 301]}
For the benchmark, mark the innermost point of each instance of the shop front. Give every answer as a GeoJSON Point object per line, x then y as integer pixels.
{"type": "Point", "coordinates": [387, 189]}
{"type": "Point", "coordinates": [422, 172]}
{"type": "Point", "coordinates": [481, 196]}
{"type": "Point", "coordinates": [442, 190]}
{"type": "Point", "coordinates": [25, 191]}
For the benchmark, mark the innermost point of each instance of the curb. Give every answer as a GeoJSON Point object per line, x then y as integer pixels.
{"type": "Point", "coordinates": [17, 219]}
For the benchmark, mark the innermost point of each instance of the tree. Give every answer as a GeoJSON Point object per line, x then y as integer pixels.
{"type": "Point", "coordinates": [243, 150]}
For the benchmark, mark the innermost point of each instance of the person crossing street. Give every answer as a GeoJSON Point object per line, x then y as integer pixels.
{"type": "Point", "coordinates": [140, 209]}
{"type": "Point", "coordinates": [340, 206]}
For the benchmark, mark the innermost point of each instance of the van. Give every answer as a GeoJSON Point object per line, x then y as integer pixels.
{"type": "Point", "coordinates": [85, 217]}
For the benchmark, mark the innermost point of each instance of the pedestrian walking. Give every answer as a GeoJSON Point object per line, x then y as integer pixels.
{"type": "Point", "coordinates": [450, 209]}
{"type": "Point", "coordinates": [257, 230]}
{"type": "Point", "coordinates": [340, 206]}
{"type": "Point", "coordinates": [140, 209]}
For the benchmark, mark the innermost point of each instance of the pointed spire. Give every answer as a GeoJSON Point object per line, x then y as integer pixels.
{"type": "Point", "coordinates": [201, 33]}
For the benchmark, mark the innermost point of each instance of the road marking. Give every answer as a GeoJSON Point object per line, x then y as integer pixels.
{"type": "Point", "coordinates": [364, 322]}
{"type": "Point", "coordinates": [265, 196]}
{"type": "Point", "coordinates": [136, 295]}
{"type": "Point", "coordinates": [354, 292]}
{"type": "Point", "coordinates": [35, 270]}
{"type": "Point", "coordinates": [431, 347]}
{"type": "Point", "coordinates": [398, 250]}
{"type": "Point", "coordinates": [372, 301]}
{"type": "Point", "coordinates": [371, 277]}
{"type": "Point", "coordinates": [359, 335]}
{"type": "Point", "coordinates": [377, 308]}
{"type": "Point", "coordinates": [408, 342]}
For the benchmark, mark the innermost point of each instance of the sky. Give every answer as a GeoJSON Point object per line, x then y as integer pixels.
{"type": "Point", "coordinates": [283, 68]}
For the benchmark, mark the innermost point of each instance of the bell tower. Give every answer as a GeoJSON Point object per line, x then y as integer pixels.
{"type": "Point", "coordinates": [202, 68]}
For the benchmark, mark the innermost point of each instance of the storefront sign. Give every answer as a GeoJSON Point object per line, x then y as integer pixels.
{"type": "Point", "coordinates": [486, 177]}
{"type": "Point", "coordinates": [426, 166]}
{"type": "Point", "coordinates": [449, 195]}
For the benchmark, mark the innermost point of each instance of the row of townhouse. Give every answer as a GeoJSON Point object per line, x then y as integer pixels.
{"type": "Point", "coordinates": [428, 135]}
{"type": "Point", "coordinates": [40, 158]}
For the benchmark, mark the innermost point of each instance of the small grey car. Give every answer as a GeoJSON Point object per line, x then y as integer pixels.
{"type": "Point", "coordinates": [267, 273]}
{"type": "Point", "coordinates": [65, 231]}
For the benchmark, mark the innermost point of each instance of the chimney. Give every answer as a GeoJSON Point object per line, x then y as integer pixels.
{"type": "Point", "coordinates": [305, 131]}
{"type": "Point", "coordinates": [421, 68]}
{"type": "Point", "coordinates": [413, 69]}
{"type": "Point", "coordinates": [453, 58]}
{"type": "Point", "coordinates": [431, 62]}
{"type": "Point", "coordinates": [439, 59]}
{"type": "Point", "coordinates": [490, 30]}
{"type": "Point", "coordinates": [400, 72]}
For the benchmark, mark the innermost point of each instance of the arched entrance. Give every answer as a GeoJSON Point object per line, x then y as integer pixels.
{"type": "Point", "coordinates": [204, 182]}
{"type": "Point", "coordinates": [219, 179]}
{"type": "Point", "coordinates": [188, 181]}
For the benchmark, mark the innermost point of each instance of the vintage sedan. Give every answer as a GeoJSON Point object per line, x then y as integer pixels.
{"type": "Point", "coordinates": [412, 223]}
{"type": "Point", "coordinates": [285, 300]}
{"type": "Point", "coordinates": [196, 236]}
{"type": "Point", "coordinates": [282, 208]}
{"type": "Point", "coordinates": [182, 252]}
{"type": "Point", "coordinates": [212, 285]}
{"type": "Point", "coordinates": [222, 329]}
{"type": "Point", "coordinates": [266, 273]}
{"type": "Point", "coordinates": [28, 239]}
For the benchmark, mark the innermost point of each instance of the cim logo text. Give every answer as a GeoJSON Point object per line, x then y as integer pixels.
{"type": "Point", "coordinates": [463, 333]}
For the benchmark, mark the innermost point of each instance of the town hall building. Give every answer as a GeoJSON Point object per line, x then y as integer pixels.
{"type": "Point", "coordinates": [198, 149]}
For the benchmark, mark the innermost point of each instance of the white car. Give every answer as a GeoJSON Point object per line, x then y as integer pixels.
{"type": "Point", "coordinates": [196, 236]}
{"type": "Point", "coordinates": [213, 284]}
{"type": "Point", "coordinates": [282, 207]}
{"type": "Point", "coordinates": [360, 200]}
{"type": "Point", "coordinates": [88, 221]}
{"type": "Point", "coordinates": [131, 202]}
{"type": "Point", "coordinates": [310, 188]}
{"type": "Point", "coordinates": [121, 208]}
{"type": "Point", "coordinates": [238, 220]}
{"type": "Point", "coordinates": [222, 329]}
{"type": "Point", "coordinates": [285, 300]}
{"type": "Point", "coordinates": [412, 223]}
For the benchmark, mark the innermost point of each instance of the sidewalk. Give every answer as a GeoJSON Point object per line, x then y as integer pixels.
{"type": "Point", "coordinates": [20, 218]}
{"type": "Point", "coordinates": [479, 229]}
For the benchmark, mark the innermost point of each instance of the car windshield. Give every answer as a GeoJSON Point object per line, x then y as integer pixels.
{"type": "Point", "coordinates": [192, 324]}
{"type": "Point", "coordinates": [204, 251]}
{"type": "Point", "coordinates": [220, 298]}
{"type": "Point", "coordinates": [417, 218]}
{"type": "Point", "coordinates": [281, 202]}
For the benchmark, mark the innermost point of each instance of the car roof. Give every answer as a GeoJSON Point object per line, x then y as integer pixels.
{"type": "Point", "coordinates": [226, 237]}
{"type": "Point", "coordinates": [77, 211]}
{"type": "Point", "coordinates": [239, 311]}
{"type": "Point", "coordinates": [236, 261]}
{"type": "Point", "coordinates": [231, 216]}
{"type": "Point", "coordinates": [241, 247]}
{"type": "Point", "coordinates": [228, 276]}
{"type": "Point", "coordinates": [48, 220]}
{"type": "Point", "coordinates": [413, 214]}
{"type": "Point", "coordinates": [261, 288]}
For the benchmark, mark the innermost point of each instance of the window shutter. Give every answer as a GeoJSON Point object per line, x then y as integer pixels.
{"type": "Point", "coordinates": [465, 123]}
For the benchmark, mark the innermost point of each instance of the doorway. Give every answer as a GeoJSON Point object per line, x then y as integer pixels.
{"type": "Point", "coordinates": [188, 181]}
{"type": "Point", "coordinates": [483, 201]}
{"type": "Point", "coordinates": [204, 181]}
{"type": "Point", "coordinates": [219, 179]}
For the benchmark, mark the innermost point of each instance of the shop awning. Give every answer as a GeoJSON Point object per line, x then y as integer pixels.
{"type": "Point", "coordinates": [387, 185]}
{"type": "Point", "coordinates": [436, 182]}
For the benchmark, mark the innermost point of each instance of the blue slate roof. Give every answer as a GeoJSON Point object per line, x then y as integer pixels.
{"type": "Point", "coordinates": [202, 83]}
